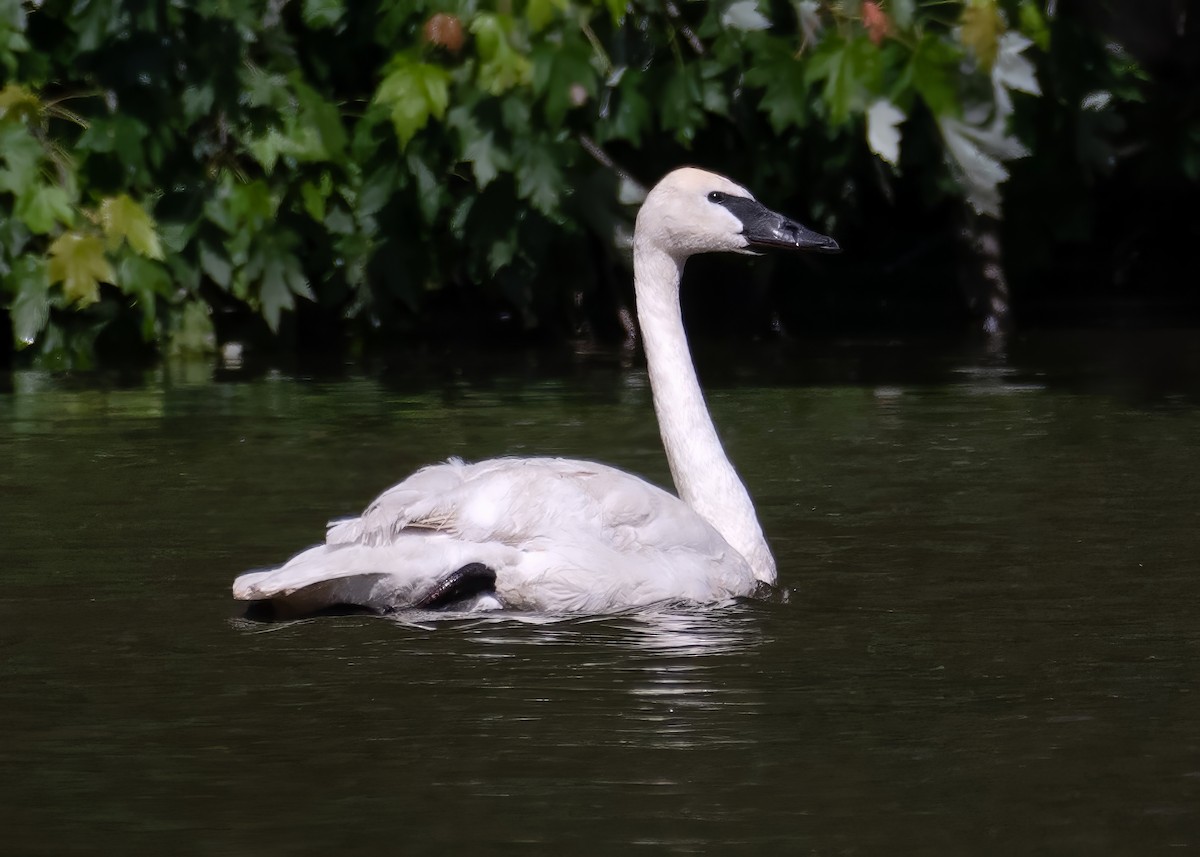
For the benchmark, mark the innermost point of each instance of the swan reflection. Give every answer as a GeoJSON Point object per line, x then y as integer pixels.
{"type": "Point", "coordinates": [685, 670]}
{"type": "Point", "coordinates": [681, 674]}
{"type": "Point", "coordinates": [672, 630]}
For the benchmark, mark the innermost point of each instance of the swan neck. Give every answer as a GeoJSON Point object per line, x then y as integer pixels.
{"type": "Point", "coordinates": [704, 477]}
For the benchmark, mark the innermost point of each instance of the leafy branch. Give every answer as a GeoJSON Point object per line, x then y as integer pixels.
{"type": "Point", "coordinates": [364, 159]}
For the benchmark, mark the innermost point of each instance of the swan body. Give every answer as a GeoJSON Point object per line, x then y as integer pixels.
{"type": "Point", "coordinates": [559, 535]}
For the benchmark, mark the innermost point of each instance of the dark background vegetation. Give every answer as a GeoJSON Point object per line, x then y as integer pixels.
{"type": "Point", "coordinates": [318, 175]}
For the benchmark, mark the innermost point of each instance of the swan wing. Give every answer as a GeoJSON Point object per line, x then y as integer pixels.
{"type": "Point", "coordinates": [515, 501]}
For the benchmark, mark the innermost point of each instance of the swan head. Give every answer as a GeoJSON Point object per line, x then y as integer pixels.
{"type": "Point", "coordinates": [694, 211]}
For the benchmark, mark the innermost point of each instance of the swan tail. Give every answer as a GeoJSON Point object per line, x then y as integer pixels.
{"type": "Point", "coordinates": [427, 572]}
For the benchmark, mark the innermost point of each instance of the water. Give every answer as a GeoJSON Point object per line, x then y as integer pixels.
{"type": "Point", "coordinates": [990, 644]}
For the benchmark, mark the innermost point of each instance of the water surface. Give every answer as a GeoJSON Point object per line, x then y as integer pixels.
{"type": "Point", "coordinates": [989, 644]}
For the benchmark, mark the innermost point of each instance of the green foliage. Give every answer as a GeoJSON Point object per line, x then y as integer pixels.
{"type": "Point", "coordinates": [414, 92]}
{"type": "Point", "coordinates": [123, 220]}
{"type": "Point", "coordinates": [160, 162]}
{"type": "Point", "coordinates": [78, 262]}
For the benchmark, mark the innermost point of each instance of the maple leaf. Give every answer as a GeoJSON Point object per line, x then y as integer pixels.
{"type": "Point", "coordinates": [122, 219]}
{"type": "Point", "coordinates": [30, 307]}
{"type": "Point", "coordinates": [633, 113]}
{"type": "Point", "coordinates": [274, 264]}
{"type": "Point", "coordinates": [322, 14]}
{"type": "Point", "coordinates": [21, 153]}
{"type": "Point", "coordinates": [808, 13]}
{"type": "Point", "coordinates": [43, 207]}
{"type": "Point", "coordinates": [883, 130]}
{"type": "Point", "coordinates": [538, 177]}
{"type": "Point", "coordinates": [414, 92]}
{"type": "Point", "coordinates": [979, 154]}
{"type": "Point", "coordinates": [78, 262]}
{"type": "Point", "coordinates": [745, 15]}
{"type": "Point", "coordinates": [487, 159]}
{"type": "Point", "coordinates": [539, 13]}
{"type": "Point", "coordinates": [981, 29]}
{"type": "Point", "coordinates": [848, 71]}
{"type": "Point", "coordinates": [501, 65]}
{"type": "Point", "coordinates": [1011, 70]}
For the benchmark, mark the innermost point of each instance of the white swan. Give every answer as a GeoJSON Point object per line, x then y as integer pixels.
{"type": "Point", "coordinates": [551, 534]}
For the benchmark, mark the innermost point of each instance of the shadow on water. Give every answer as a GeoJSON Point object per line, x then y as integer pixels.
{"type": "Point", "coordinates": [990, 645]}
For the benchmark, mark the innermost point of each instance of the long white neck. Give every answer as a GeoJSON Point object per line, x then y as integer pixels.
{"type": "Point", "coordinates": [703, 475]}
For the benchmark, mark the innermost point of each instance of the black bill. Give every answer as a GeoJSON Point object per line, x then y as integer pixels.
{"type": "Point", "coordinates": [765, 228]}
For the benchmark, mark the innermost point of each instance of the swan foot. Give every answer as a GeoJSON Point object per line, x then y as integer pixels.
{"type": "Point", "coordinates": [772, 593]}
{"type": "Point", "coordinates": [468, 581]}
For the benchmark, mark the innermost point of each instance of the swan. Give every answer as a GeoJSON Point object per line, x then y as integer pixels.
{"type": "Point", "coordinates": [566, 536]}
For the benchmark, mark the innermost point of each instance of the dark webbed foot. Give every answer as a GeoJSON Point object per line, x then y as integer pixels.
{"type": "Point", "coordinates": [471, 579]}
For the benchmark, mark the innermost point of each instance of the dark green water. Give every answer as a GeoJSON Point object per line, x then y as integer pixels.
{"type": "Point", "coordinates": [990, 646]}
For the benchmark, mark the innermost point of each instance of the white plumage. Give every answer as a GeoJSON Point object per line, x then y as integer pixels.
{"type": "Point", "coordinates": [574, 536]}
{"type": "Point", "coordinates": [561, 535]}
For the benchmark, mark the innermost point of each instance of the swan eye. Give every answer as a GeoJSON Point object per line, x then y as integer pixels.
{"type": "Point", "coordinates": [717, 197]}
